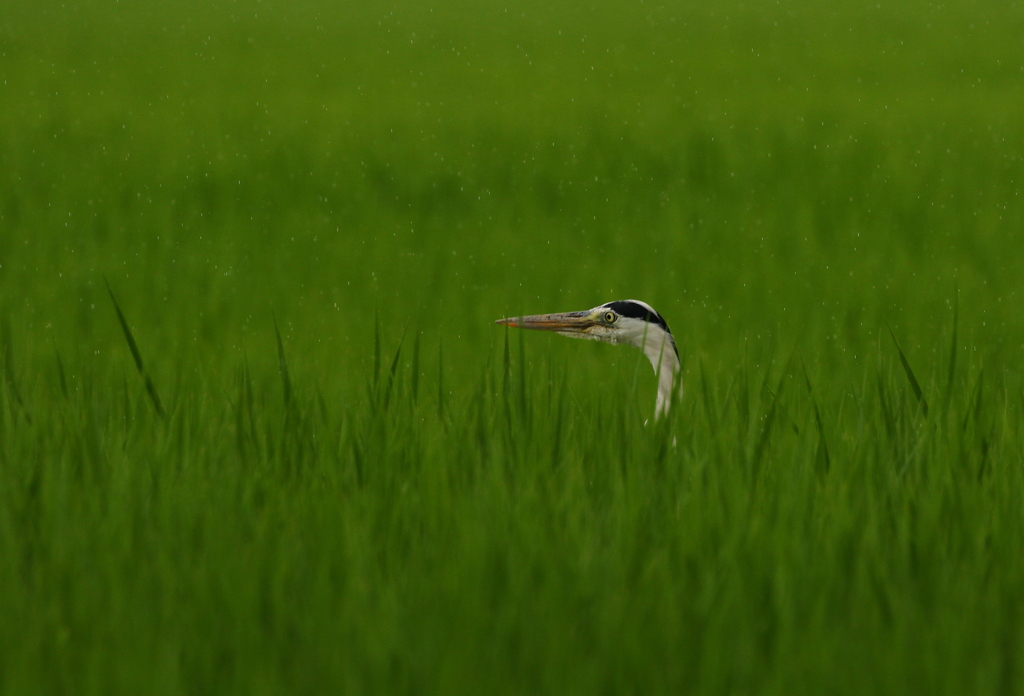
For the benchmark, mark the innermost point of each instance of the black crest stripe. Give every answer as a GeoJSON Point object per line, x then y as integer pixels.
{"type": "Point", "coordinates": [635, 310]}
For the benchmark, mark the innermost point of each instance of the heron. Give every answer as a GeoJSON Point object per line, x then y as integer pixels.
{"type": "Point", "coordinates": [631, 322]}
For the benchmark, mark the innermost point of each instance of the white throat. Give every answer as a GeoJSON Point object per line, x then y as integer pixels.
{"type": "Point", "coordinates": [659, 347]}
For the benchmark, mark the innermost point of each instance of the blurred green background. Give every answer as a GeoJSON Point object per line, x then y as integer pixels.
{"type": "Point", "coordinates": [777, 179]}
{"type": "Point", "coordinates": [747, 168]}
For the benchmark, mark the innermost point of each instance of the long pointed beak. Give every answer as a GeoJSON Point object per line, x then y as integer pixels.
{"type": "Point", "coordinates": [564, 322]}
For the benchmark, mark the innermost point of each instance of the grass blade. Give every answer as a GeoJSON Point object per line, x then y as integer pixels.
{"type": "Point", "coordinates": [132, 346]}
{"type": "Point", "coordinates": [394, 367]}
{"type": "Point", "coordinates": [506, 370]}
{"type": "Point", "coordinates": [887, 413]}
{"type": "Point", "coordinates": [415, 383]}
{"type": "Point", "coordinates": [952, 347]}
{"type": "Point", "coordinates": [972, 408]}
{"type": "Point", "coordinates": [245, 427]}
{"type": "Point", "coordinates": [60, 369]}
{"type": "Point", "coordinates": [823, 460]}
{"type": "Point", "coordinates": [282, 364]}
{"type": "Point", "coordinates": [709, 407]}
{"type": "Point", "coordinates": [8, 357]}
{"type": "Point", "coordinates": [914, 385]}
{"type": "Point", "coordinates": [440, 379]}
{"type": "Point", "coordinates": [766, 428]}
{"type": "Point", "coordinates": [136, 354]}
{"type": "Point", "coordinates": [522, 376]}
{"type": "Point", "coordinates": [376, 348]}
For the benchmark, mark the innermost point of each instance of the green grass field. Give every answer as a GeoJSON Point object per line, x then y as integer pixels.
{"type": "Point", "coordinates": [356, 483]}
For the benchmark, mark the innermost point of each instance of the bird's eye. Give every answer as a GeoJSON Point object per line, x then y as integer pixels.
{"type": "Point", "coordinates": [609, 317]}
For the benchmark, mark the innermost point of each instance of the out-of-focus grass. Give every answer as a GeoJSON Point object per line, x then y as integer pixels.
{"type": "Point", "coordinates": [432, 504]}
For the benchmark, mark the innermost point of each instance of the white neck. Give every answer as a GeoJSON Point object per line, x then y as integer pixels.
{"type": "Point", "coordinates": [660, 350]}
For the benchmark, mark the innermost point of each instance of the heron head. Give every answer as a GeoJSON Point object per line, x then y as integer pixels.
{"type": "Point", "coordinates": [631, 322]}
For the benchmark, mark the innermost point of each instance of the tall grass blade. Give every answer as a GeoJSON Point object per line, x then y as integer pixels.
{"type": "Point", "coordinates": [357, 458]}
{"type": "Point", "coordinates": [506, 392]}
{"type": "Point", "coordinates": [62, 379]}
{"type": "Point", "coordinates": [394, 367]}
{"type": "Point", "coordinates": [709, 407]}
{"type": "Point", "coordinates": [321, 403]}
{"type": "Point", "coordinates": [557, 403]}
{"type": "Point", "coordinates": [126, 401]}
{"type": "Point", "coordinates": [153, 396]}
{"type": "Point", "coordinates": [136, 354]}
{"type": "Point", "coordinates": [249, 401]}
{"type": "Point", "coordinates": [376, 348]}
{"type": "Point", "coordinates": [506, 367]}
{"type": "Point", "coordinates": [8, 357]}
{"type": "Point", "coordinates": [743, 395]}
{"type": "Point", "coordinates": [766, 428]}
{"type": "Point", "coordinates": [440, 379]}
{"type": "Point", "coordinates": [979, 395]}
{"type": "Point", "coordinates": [414, 383]}
{"type": "Point", "coordinates": [914, 385]}
{"type": "Point", "coordinates": [245, 420]}
{"type": "Point", "coordinates": [887, 412]}
{"type": "Point", "coordinates": [952, 347]}
{"type": "Point", "coordinates": [823, 460]}
{"type": "Point", "coordinates": [282, 365]}
{"type": "Point", "coordinates": [240, 433]}
{"type": "Point", "coordinates": [522, 376]}
{"type": "Point", "coordinates": [398, 352]}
